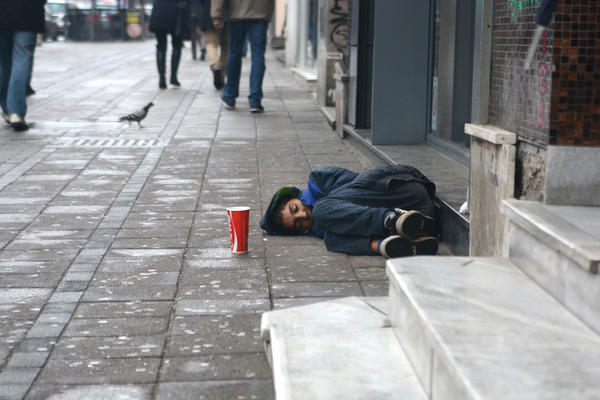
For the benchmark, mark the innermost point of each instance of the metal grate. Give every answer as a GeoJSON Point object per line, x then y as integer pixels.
{"type": "Point", "coordinates": [103, 142]}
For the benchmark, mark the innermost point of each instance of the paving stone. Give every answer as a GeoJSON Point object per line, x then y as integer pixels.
{"type": "Point", "coordinates": [40, 330]}
{"type": "Point", "coordinates": [222, 334]}
{"type": "Point", "coordinates": [90, 392]}
{"type": "Point", "coordinates": [316, 289]}
{"type": "Point", "coordinates": [194, 263]}
{"type": "Point", "coordinates": [43, 345]}
{"type": "Point", "coordinates": [28, 360]}
{"type": "Point", "coordinates": [100, 371]}
{"type": "Point", "coordinates": [13, 331]}
{"type": "Point", "coordinates": [116, 326]}
{"type": "Point", "coordinates": [124, 309]}
{"type": "Point", "coordinates": [134, 278]}
{"type": "Point", "coordinates": [11, 376]}
{"type": "Point", "coordinates": [181, 233]}
{"type": "Point", "coordinates": [37, 280]}
{"type": "Point", "coordinates": [297, 301]}
{"type": "Point", "coordinates": [371, 274]}
{"type": "Point", "coordinates": [116, 293]}
{"type": "Point", "coordinates": [216, 367]}
{"type": "Point", "coordinates": [216, 277]}
{"type": "Point", "coordinates": [143, 344]}
{"type": "Point", "coordinates": [375, 288]}
{"type": "Point", "coordinates": [222, 306]}
{"type": "Point", "coordinates": [215, 390]}
{"type": "Point", "coordinates": [311, 269]}
{"type": "Point", "coordinates": [31, 267]}
{"type": "Point", "coordinates": [13, 391]}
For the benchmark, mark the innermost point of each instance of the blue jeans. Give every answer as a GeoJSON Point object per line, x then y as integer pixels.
{"type": "Point", "coordinates": [257, 36]}
{"type": "Point", "coordinates": [16, 59]}
{"type": "Point", "coordinates": [352, 219]}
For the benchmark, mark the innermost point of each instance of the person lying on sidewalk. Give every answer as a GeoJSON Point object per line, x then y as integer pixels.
{"type": "Point", "coordinates": [386, 211]}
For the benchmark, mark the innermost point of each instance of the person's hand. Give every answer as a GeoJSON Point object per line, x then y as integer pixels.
{"type": "Point", "coordinates": [219, 24]}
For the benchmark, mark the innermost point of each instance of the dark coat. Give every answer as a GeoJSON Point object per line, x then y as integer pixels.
{"type": "Point", "coordinates": [201, 14]}
{"type": "Point", "coordinates": [167, 14]}
{"type": "Point", "coordinates": [22, 15]}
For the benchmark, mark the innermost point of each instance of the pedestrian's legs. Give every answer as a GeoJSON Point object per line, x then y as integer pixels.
{"type": "Point", "coordinates": [22, 57]}
{"type": "Point", "coordinates": [257, 35]}
{"type": "Point", "coordinates": [224, 42]}
{"type": "Point", "coordinates": [6, 46]}
{"type": "Point", "coordinates": [213, 41]}
{"type": "Point", "coordinates": [195, 40]}
{"type": "Point", "coordinates": [177, 42]}
{"type": "Point", "coordinates": [161, 58]}
{"type": "Point", "coordinates": [237, 32]}
{"type": "Point", "coordinates": [212, 48]}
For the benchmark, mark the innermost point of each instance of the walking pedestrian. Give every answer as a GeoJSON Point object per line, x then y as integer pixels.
{"type": "Point", "coordinates": [169, 17]}
{"type": "Point", "coordinates": [198, 41]}
{"type": "Point", "coordinates": [387, 211]}
{"type": "Point", "coordinates": [20, 21]}
{"type": "Point", "coordinates": [216, 43]}
{"type": "Point", "coordinates": [243, 18]}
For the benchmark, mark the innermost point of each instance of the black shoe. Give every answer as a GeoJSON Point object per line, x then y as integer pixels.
{"type": "Point", "coordinates": [30, 90]}
{"type": "Point", "coordinates": [395, 246]}
{"type": "Point", "coordinates": [257, 108]}
{"type": "Point", "coordinates": [218, 79]}
{"type": "Point", "coordinates": [410, 224]}
{"type": "Point", "coordinates": [174, 81]}
{"type": "Point", "coordinates": [202, 54]}
{"type": "Point", "coordinates": [162, 82]}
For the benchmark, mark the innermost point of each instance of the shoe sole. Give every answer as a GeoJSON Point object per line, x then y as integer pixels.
{"type": "Point", "coordinates": [256, 110]}
{"type": "Point", "coordinates": [19, 127]}
{"type": "Point", "coordinates": [227, 106]}
{"type": "Point", "coordinates": [413, 224]}
{"type": "Point", "coordinates": [395, 246]}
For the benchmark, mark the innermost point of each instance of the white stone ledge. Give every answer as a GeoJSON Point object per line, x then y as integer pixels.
{"type": "Point", "coordinates": [491, 133]}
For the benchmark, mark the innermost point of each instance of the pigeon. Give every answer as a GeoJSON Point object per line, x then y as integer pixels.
{"type": "Point", "coordinates": [137, 116]}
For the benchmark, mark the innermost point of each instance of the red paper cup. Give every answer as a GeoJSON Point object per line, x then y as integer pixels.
{"type": "Point", "coordinates": [238, 228]}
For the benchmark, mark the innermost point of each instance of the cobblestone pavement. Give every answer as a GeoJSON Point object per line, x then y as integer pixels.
{"type": "Point", "coordinates": [116, 276]}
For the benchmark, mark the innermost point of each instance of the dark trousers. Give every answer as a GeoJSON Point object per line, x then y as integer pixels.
{"type": "Point", "coordinates": [161, 41]}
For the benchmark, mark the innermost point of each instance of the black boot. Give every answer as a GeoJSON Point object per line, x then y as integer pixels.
{"type": "Point", "coordinates": [202, 54]}
{"type": "Point", "coordinates": [175, 57]}
{"type": "Point", "coordinates": [161, 59]}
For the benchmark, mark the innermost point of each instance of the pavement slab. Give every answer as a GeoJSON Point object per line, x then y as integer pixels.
{"type": "Point", "coordinates": [116, 275]}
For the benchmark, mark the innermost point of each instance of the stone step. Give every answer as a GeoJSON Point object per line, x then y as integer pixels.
{"type": "Point", "coordinates": [559, 247]}
{"type": "Point", "coordinates": [479, 328]}
{"type": "Point", "coordinates": [341, 349]}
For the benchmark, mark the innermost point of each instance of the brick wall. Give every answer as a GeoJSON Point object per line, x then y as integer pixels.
{"type": "Point", "coordinates": [519, 99]}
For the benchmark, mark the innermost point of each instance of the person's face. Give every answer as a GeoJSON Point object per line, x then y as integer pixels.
{"type": "Point", "coordinates": [297, 216]}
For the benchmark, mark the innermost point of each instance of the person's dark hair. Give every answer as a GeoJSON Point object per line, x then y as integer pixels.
{"type": "Point", "coordinates": [276, 219]}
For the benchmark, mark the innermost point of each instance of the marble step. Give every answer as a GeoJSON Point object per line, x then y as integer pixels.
{"type": "Point", "coordinates": [341, 349]}
{"type": "Point", "coordinates": [479, 328]}
{"type": "Point", "coordinates": [559, 247]}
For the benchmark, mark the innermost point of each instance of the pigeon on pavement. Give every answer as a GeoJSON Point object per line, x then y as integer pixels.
{"type": "Point", "coordinates": [137, 116]}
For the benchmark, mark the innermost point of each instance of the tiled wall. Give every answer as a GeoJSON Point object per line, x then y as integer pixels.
{"type": "Point", "coordinates": [575, 94]}
{"type": "Point", "coordinates": [557, 101]}
{"type": "Point", "coordinates": [519, 99]}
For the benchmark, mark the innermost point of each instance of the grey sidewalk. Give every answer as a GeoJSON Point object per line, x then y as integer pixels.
{"type": "Point", "coordinates": [115, 272]}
